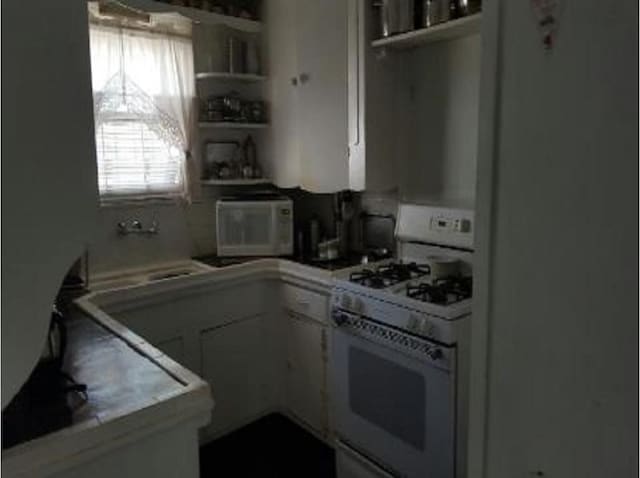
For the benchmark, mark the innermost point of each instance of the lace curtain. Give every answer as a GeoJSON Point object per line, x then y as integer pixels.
{"type": "Point", "coordinates": [144, 94]}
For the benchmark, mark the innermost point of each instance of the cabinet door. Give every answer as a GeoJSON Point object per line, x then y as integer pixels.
{"type": "Point", "coordinates": [306, 371]}
{"type": "Point", "coordinates": [172, 347]}
{"type": "Point", "coordinates": [233, 363]}
{"type": "Point", "coordinates": [283, 146]}
{"type": "Point", "coordinates": [322, 95]}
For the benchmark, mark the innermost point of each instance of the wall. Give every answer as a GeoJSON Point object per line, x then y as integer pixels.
{"type": "Point", "coordinates": [48, 176]}
{"type": "Point", "coordinates": [560, 250]}
{"type": "Point", "coordinates": [185, 230]}
{"type": "Point", "coordinates": [440, 82]}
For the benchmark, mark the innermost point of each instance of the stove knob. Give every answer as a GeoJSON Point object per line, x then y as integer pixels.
{"type": "Point", "coordinates": [358, 305]}
{"type": "Point", "coordinates": [426, 329]}
{"type": "Point", "coordinates": [339, 318]}
{"type": "Point", "coordinates": [435, 354]}
{"type": "Point", "coordinates": [346, 301]}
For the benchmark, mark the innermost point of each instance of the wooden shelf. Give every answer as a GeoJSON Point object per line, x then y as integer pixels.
{"type": "Point", "coordinates": [461, 27]}
{"type": "Point", "coordinates": [232, 125]}
{"type": "Point", "coordinates": [234, 182]}
{"type": "Point", "coordinates": [195, 14]}
{"type": "Point", "coordinates": [217, 76]}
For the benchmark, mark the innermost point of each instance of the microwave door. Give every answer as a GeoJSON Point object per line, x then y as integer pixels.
{"type": "Point", "coordinates": [245, 231]}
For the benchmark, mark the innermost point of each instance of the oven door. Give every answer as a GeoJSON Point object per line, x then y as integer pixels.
{"type": "Point", "coordinates": [394, 397]}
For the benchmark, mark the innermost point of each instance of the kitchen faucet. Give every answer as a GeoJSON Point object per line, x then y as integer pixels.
{"type": "Point", "coordinates": [135, 227]}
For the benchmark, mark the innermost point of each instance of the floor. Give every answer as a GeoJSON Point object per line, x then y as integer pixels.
{"type": "Point", "coordinates": [272, 447]}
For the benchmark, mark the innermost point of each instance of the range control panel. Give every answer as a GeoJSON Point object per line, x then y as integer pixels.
{"type": "Point", "coordinates": [437, 225]}
{"type": "Point", "coordinates": [450, 224]}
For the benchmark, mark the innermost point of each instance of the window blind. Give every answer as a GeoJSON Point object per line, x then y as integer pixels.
{"type": "Point", "coordinates": [134, 161]}
{"type": "Point", "coordinates": [143, 85]}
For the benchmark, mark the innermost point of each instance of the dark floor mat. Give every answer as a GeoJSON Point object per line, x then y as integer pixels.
{"type": "Point", "coordinates": [272, 447]}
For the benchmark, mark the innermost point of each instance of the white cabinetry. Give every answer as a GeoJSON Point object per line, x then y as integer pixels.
{"type": "Point", "coordinates": [307, 70]}
{"type": "Point", "coordinates": [233, 362]}
{"type": "Point", "coordinates": [322, 84]}
{"type": "Point", "coordinates": [306, 371]}
{"type": "Point", "coordinates": [262, 345]}
{"type": "Point", "coordinates": [318, 53]}
{"type": "Point", "coordinates": [306, 354]}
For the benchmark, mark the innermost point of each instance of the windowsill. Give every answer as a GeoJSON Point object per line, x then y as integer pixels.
{"type": "Point", "coordinates": [132, 202]}
{"type": "Point", "coordinates": [151, 202]}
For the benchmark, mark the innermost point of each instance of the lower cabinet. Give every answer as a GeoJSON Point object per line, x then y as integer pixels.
{"type": "Point", "coordinates": [172, 347]}
{"type": "Point", "coordinates": [234, 364]}
{"type": "Point", "coordinates": [306, 375]}
{"type": "Point", "coordinates": [262, 346]}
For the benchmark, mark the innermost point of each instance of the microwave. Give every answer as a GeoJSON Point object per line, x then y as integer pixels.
{"type": "Point", "coordinates": [254, 226]}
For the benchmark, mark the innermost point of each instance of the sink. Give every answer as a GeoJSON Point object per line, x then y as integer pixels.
{"type": "Point", "coordinates": [170, 274]}
{"type": "Point", "coordinates": [146, 276]}
{"type": "Point", "coordinates": [116, 284]}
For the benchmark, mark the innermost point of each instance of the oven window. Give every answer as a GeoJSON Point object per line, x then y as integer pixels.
{"type": "Point", "coordinates": [388, 395]}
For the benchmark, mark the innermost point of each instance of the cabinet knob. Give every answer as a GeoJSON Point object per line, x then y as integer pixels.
{"type": "Point", "coordinates": [294, 81]}
{"type": "Point", "coordinates": [304, 78]}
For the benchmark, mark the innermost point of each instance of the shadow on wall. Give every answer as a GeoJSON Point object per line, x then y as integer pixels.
{"type": "Point", "coordinates": [442, 83]}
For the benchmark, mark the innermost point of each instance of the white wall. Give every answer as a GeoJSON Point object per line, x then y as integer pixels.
{"type": "Point", "coordinates": [48, 172]}
{"type": "Point", "coordinates": [184, 231]}
{"type": "Point", "coordinates": [440, 113]}
{"type": "Point", "coordinates": [561, 251]}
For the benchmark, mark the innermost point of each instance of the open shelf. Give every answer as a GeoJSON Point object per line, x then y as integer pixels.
{"type": "Point", "coordinates": [195, 14]}
{"type": "Point", "coordinates": [231, 125]}
{"type": "Point", "coordinates": [234, 182]}
{"type": "Point", "coordinates": [244, 77]}
{"type": "Point", "coordinates": [450, 30]}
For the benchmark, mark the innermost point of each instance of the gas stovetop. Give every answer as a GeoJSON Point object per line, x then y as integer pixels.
{"type": "Point", "coordinates": [388, 274]}
{"type": "Point", "coordinates": [414, 281]}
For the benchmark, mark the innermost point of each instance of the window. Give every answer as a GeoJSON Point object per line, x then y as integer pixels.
{"type": "Point", "coordinates": [143, 87]}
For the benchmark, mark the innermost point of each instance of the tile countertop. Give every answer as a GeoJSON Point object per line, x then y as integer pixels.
{"type": "Point", "coordinates": [133, 390]}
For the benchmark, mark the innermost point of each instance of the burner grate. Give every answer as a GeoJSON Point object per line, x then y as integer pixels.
{"type": "Point", "coordinates": [388, 274]}
{"type": "Point", "coordinates": [443, 291]}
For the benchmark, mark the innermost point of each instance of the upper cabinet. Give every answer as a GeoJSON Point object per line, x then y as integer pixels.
{"type": "Point", "coordinates": [322, 92]}
{"type": "Point", "coordinates": [318, 54]}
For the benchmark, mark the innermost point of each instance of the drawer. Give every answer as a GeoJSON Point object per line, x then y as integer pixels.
{"type": "Point", "coordinates": [306, 302]}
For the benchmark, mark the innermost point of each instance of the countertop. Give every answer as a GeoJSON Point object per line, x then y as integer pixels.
{"type": "Point", "coordinates": [133, 389]}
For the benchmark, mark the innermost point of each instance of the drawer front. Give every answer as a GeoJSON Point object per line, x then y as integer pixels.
{"type": "Point", "coordinates": [306, 302]}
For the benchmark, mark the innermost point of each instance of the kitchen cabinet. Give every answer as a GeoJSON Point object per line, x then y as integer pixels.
{"type": "Point", "coordinates": [307, 69]}
{"type": "Point", "coordinates": [172, 347]}
{"type": "Point", "coordinates": [155, 323]}
{"type": "Point", "coordinates": [306, 374]}
{"type": "Point", "coordinates": [234, 363]}
{"type": "Point", "coordinates": [318, 56]}
{"type": "Point", "coordinates": [260, 344]}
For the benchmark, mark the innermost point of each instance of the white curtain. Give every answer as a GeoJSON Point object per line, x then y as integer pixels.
{"type": "Point", "coordinates": [144, 92]}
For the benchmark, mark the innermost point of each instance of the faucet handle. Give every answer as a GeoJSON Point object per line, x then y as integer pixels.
{"type": "Point", "coordinates": [135, 224]}
{"type": "Point", "coordinates": [122, 228]}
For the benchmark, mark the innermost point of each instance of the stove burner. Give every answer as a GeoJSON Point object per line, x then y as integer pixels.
{"type": "Point", "coordinates": [402, 272]}
{"type": "Point", "coordinates": [444, 291]}
{"type": "Point", "coordinates": [388, 274]}
{"type": "Point", "coordinates": [369, 278]}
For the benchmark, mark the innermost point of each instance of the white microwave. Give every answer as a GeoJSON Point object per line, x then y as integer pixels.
{"type": "Point", "coordinates": [254, 226]}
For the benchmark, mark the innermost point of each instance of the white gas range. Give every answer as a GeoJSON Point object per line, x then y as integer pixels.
{"type": "Point", "coordinates": [399, 362]}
